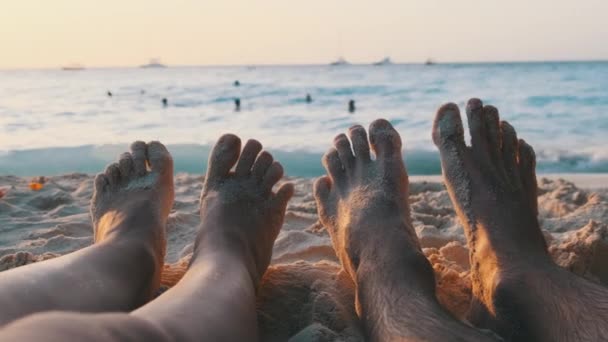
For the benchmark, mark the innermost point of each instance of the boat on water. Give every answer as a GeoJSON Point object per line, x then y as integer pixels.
{"type": "Point", "coordinates": [385, 61]}
{"type": "Point", "coordinates": [73, 67]}
{"type": "Point", "coordinates": [154, 63]}
{"type": "Point", "coordinates": [429, 62]}
{"type": "Point", "coordinates": [340, 61]}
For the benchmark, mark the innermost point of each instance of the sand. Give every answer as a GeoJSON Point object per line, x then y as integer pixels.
{"type": "Point", "coordinates": [304, 296]}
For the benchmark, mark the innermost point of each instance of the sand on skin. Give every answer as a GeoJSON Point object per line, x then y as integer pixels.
{"type": "Point", "coordinates": [304, 296]}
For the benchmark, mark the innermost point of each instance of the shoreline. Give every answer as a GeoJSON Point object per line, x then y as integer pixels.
{"type": "Point", "coordinates": [303, 161]}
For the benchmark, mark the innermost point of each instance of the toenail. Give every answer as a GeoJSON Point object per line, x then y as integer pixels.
{"type": "Point", "coordinates": [475, 103]}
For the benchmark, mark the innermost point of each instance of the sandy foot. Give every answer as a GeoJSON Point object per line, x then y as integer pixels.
{"type": "Point", "coordinates": [55, 220]}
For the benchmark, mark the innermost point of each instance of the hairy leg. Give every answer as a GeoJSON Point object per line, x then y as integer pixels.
{"type": "Point", "coordinates": [240, 220]}
{"type": "Point", "coordinates": [122, 269]}
{"type": "Point", "coordinates": [517, 289]}
{"type": "Point", "coordinates": [364, 205]}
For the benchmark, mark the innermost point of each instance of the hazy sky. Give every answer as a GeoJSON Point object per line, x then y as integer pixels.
{"type": "Point", "coordinates": [51, 33]}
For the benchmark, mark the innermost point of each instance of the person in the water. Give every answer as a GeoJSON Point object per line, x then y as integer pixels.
{"type": "Point", "coordinates": [351, 106]}
{"type": "Point", "coordinates": [165, 102]}
{"type": "Point", "coordinates": [237, 104]}
{"type": "Point", "coordinates": [308, 98]}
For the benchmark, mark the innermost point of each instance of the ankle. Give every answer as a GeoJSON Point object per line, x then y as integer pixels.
{"type": "Point", "coordinates": [500, 286]}
{"type": "Point", "coordinates": [407, 269]}
{"type": "Point", "coordinates": [212, 245]}
{"type": "Point", "coordinates": [379, 240]}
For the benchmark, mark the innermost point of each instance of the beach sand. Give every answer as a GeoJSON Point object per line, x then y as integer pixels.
{"type": "Point", "coordinates": [304, 296]}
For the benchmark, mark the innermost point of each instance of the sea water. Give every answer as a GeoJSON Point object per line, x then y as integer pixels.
{"type": "Point", "coordinates": [54, 121]}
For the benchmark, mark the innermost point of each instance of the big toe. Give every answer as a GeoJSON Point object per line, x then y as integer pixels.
{"type": "Point", "coordinates": [448, 132]}
{"type": "Point", "coordinates": [223, 157]}
{"type": "Point", "coordinates": [384, 139]}
{"type": "Point", "coordinates": [448, 135]}
{"type": "Point", "coordinates": [160, 159]}
{"type": "Point", "coordinates": [139, 157]}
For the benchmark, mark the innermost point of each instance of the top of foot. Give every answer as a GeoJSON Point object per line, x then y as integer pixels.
{"type": "Point", "coordinates": [138, 187]}
{"type": "Point", "coordinates": [239, 210]}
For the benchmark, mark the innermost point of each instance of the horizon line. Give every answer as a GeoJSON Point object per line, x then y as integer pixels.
{"type": "Point", "coordinates": [211, 65]}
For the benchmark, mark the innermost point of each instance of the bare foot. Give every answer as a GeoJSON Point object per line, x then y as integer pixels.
{"type": "Point", "coordinates": [364, 206]}
{"type": "Point", "coordinates": [240, 219]}
{"type": "Point", "coordinates": [493, 187]}
{"type": "Point", "coordinates": [239, 211]}
{"type": "Point", "coordinates": [360, 190]}
{"type": "Point", "coordinates": [133, 198]}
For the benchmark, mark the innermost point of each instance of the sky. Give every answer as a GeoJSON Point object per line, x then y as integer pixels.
{"type": "Point", "coordinates": [44, 33]}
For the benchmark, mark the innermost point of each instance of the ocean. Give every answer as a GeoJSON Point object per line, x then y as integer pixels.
{"type": "Point", "coordinates": [54, 121]}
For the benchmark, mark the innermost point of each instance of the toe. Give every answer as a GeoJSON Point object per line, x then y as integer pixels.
{"type": "Point", "coordinates": [477, 127]}
{"type": "Point", "coordinates": [384, 139]}
{"type": "Point", "coordinates": [273, 175]}
{"type": "Point", "coordinates": [509, 152]}
{"type": "Point", "coordinates": [125, 164]}
{"type": "Point", "coordinates": [250, 152]}
{"type": "Point", "coordinates": [101, 182]}
{"type": "Point", "coordinates": [448, 133]}
{"type": "Point", "coordinates": [492, 130]}
{"type": "Point", "coordinates": [333, 165]}
{"type": "Point", "coordinates": [358, 136]}
{"type": "Point", "coordinates": [261, 165]}
{"type": "Point", "coordinates": [321, 189]}
{"type": "Point", "coordinates": [224, 155]}
{"type": "Point", "coordinates": [527, 173]}
{"type": "Point", "coordinates": [113, 174]}
{"type": "Point", "coordinates": [159, 157]}
{"type": "Point", "coordinates": [138, 153]}
{"type": "Point", "coordinates": [345, 152]}
{"type": "Point", "coordinates": [284, 194]}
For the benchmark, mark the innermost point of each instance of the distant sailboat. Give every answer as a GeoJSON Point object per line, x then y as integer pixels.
{"type": "Point", "coordinates": [154, 63]}
{"type": "Point", "coordinates": [429, 62]}
{"type": "Point", "coordinates": [340, 61]}
{"type": "Point", "coordinates": [385, 61]}
{"type": "Point", "coordinates": [73, 67]}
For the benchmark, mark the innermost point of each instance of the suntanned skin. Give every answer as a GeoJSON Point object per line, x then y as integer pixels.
{"type": "Point", "coordinates": [215, 300]}
{"type": "Point", "coordinates": [518, 290]}
{"type": "Point", "coordinates": [364, 205]}
{"type": "Point", "coordinates": [121, 271]}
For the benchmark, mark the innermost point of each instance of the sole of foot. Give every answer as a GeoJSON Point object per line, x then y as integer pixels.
{"type": "Point", "coordinates": [359, 191]}
{"type": "Point", "coordinates": [363, 203]}
{"type": "Point", "coordinates": [132, 200]}
{"type": "Point", "coordinates": [492, 184]}
{"type": "Point", "coordinates": [240, 213]}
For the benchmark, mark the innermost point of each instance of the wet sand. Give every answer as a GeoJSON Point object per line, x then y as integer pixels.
{"type": "Point", "coordinates": [304, 296]}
